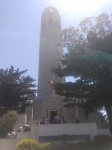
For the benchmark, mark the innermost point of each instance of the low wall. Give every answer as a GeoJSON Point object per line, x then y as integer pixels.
{"type": "Point", "coordinates": [7, 144]}
{"type": "Point", "coordinates": [10, 144]}
{"type": "Point", "coordinates": [104, 132]}
{"type": "Point", "coordinates": [47, 130]}
{"type": "Point", "coordinates": [59, 132]}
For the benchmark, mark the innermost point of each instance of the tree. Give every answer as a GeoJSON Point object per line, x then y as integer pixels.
{"type": "Point", "coordinates": [15, 89]}
{"type": "Point", "coordinates": [7, 123]}
{"type": "Point", "coordinates": [89, 58]}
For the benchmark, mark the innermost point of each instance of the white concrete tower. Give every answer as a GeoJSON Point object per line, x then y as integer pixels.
{"type": "Point", "coordinates": [48, 104]}
{"type": "Point", "coordinates": [49, 52]}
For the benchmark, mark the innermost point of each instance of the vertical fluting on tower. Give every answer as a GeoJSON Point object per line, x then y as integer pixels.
{"type": "Point", "coordinates": [49, 52]}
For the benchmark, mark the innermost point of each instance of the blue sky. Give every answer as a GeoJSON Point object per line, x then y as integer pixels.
{"type": "Point", "coordinates": [20, 30]}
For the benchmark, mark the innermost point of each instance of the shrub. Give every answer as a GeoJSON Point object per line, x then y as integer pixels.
{"type": "Point", "coordinates": [27, 144]}
{"type": "Point", "coordinates": [45, 146]}
{"type": "Point", "coordinates": [32, 144]}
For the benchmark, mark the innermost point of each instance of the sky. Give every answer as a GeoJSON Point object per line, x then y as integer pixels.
{"type": "Point", "coordinates": [20, 27]}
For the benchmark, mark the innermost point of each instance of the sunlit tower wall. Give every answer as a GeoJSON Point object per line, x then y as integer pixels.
{"type": "Point", "coordinates": [49, 52]}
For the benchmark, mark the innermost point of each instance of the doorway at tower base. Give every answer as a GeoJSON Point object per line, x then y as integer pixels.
{"type": "Point", "coordinates": [52, 108]}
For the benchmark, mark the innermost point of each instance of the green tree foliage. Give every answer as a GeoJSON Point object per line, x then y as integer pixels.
{"type": "Point", "coordinates": [7, 123]}
{"type": "Point", "coordinates": [89, 59]}
{"type": "Point", "coordinates": [15, 89]}
{"type": "Point", "coordinates": [31, 144]}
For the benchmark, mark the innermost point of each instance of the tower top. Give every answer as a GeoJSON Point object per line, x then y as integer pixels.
{"type": "Point", "coordinates": [50, 20]}
{"type": "Point", "coordinates": [50, 11]}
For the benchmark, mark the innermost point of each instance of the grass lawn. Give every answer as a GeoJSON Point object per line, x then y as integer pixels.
{"type": "Point", "coordinates": [99, 143]}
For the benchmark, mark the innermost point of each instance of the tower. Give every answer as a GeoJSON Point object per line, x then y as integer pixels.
{"type": "Point", "coordinates": [49, 51]}
{"type": "Point", "coordinates": [48, 104]}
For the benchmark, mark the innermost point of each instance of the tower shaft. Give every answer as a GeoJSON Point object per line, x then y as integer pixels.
{"type": "Point", "coordinates": [49, 52]}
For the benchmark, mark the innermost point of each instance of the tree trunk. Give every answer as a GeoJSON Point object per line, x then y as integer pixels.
{"type": "Point", "coordinates": [109, 114]}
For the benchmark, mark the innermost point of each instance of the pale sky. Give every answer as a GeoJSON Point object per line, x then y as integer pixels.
{"type": "Point", "coordinates": [20, 27]}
